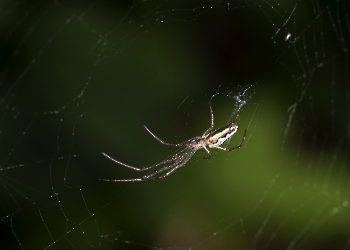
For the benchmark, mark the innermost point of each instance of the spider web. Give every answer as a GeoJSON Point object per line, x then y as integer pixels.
{"type": "Point", "coordinates": [81, 78]}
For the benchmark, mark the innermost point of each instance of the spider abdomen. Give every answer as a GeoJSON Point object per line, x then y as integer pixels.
{"type": "Point", "coordinates": [218, 137]}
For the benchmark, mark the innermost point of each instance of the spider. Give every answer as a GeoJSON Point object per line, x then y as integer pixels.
{"type": "Point", "coordinates": [213, 140]}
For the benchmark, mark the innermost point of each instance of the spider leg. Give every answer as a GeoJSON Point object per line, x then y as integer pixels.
{"type": "Point", "coordinates": [144, 177]}
{"type": "Point", "coordinates": [150, 177]}
{"type": "Point", "coordinates": [207, 158]}
{"type": "Point", "coordinates": [181, 159]}
{"type": "Point", "coordinates": [168, 173]}
{"type": "Point", "coordinates": [239, 111]}
{"type": "Point", "coordinates": [163, 142]}
{"type": "Point", "coordinates": [212, 121]}
{"type": "Point", "coordinates": [230, 149]}
{"type": "Point", "coordinates": [131, 180]}
{"type": "Point", "coordinates": [138, 169]}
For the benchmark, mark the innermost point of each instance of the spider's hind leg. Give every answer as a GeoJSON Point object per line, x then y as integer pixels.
{"type": "Point", "coordinates": [212, 121]}
{"type": "Point", "coordinates": [230, 149]}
